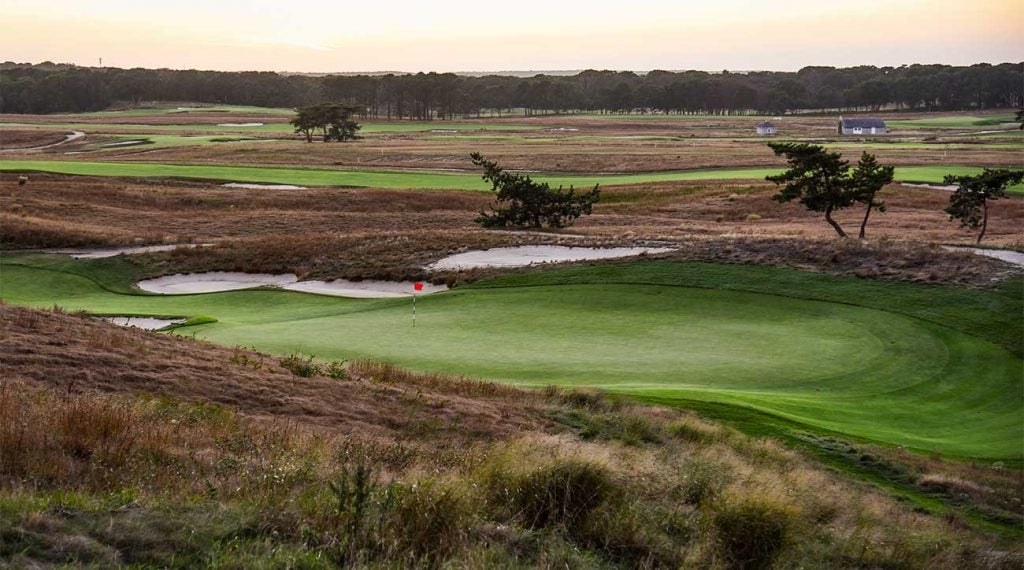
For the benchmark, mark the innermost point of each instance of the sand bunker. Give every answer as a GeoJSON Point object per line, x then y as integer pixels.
{"type": "Point", "coordinates": [215, 281]}
{"type": "Point", "coordinates": [239, 124]}
{"type": "Point", "coordinates": [1007, 255]}
{"type": "Point", "coordinates": [133, 142]}
{"type": "Point", "coordinates": [263, 186]}
{"type": "Point", "coordinates": [212, 282]}
{"type": "Point", "coordinates": [533, 254]}
{"type": "Point", "coordinates": [943, 187]}
{"type": "Point", "coordinates": [96, 253]}
{"type": "Point", "coordinates": [147, 323]}
{"type": "Point", "coordinates": [368, 289]}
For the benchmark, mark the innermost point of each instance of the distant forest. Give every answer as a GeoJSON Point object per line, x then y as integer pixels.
{"type": "Point", "coordinates": [52, 88]}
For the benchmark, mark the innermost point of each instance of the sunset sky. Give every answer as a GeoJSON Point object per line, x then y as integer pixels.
{"type": "Point", "coordinates": [458, 35]}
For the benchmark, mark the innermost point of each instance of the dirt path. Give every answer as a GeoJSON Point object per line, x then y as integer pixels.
{"type": "Point", "coordinates": [72, 136]}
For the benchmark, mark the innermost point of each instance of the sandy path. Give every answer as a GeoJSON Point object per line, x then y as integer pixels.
{"type": "Point", "coordinates": [73, 136]}
{"type": "Point", "coordinates": [533, 254]}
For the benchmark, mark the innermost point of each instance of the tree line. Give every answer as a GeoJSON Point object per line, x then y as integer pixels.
{"type": "Point", "coordinates": [50, 88]}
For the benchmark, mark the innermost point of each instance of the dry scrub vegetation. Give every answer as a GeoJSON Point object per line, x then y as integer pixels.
{"type": "Point", "coordinates": [120, 447]}
{"type": "Point", "coordinates": [391, 234]}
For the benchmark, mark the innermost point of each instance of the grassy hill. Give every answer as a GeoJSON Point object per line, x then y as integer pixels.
{"type": "Point", "coordinates": [181, 454]}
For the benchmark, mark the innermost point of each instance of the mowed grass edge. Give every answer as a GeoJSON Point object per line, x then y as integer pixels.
{"type": "Point", "coordinates": [417, 180]}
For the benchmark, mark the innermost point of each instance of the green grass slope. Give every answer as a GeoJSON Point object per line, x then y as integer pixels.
{"type": "Point", "coordinates": [937, 372]}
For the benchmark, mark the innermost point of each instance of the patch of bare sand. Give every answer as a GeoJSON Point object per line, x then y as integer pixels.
{"type": "Point", "coordinates": [522, 256]}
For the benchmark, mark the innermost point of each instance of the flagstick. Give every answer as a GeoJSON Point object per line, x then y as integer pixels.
{"type": "Point", "coordinates": [414, 310]}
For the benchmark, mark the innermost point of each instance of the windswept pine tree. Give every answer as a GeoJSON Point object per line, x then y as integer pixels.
{"type": "Point", "coordinates": [524, 202]}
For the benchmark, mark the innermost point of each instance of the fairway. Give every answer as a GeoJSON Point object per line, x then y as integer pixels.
{"type": "Point", "coordinates": [416, 180]}
{"type": "Point", "coordinates": [658, 329]}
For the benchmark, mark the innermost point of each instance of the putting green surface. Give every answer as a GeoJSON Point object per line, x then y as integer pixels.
{"type": "Point", "coordinates": [415, 180]}
{"type": "Point", "coordinates": [941, 374]}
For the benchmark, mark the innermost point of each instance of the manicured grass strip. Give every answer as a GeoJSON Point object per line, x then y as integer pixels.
{"type": "Point", "coordinates": [662, 330]}
{"type": "Point", "coordinates": [413, 180]}
{"type": "Point", "coordinates": [368, 127]}
{"type": "Point", "coordinates": [953, 122]}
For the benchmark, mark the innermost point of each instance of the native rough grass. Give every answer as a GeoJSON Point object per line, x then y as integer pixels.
{"type": "Point", "coordinates": [390, 234]}
{"type": "Point", "coordinates": [246, 466]}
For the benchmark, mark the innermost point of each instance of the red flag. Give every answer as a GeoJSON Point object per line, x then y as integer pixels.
{"type": "Point", "coordinates": [418, 286]}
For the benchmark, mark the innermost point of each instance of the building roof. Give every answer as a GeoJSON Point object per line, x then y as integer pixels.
{"type": "Point", "coordinates": [765, 124]}
{"type": "Point", "coordinates": [862, 123]}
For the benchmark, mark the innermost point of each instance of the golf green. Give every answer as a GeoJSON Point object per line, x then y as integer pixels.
{"type": "Point", "coordinates": [938, 372]}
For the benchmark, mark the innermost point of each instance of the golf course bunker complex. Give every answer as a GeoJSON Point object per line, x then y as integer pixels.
{"type": "Point", "coordinates": [146, 323]}
{"type": "Point", "coordinates": [368, 289]}
{"type": "Point", "coordinates": [212, 282]}
{"type": "Point", "coordinates": [532, 254]}
{"type": "Point", "coordinates": [218, 281]}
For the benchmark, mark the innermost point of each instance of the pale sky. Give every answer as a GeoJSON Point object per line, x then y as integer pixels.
{"type": "Point", "coordinates": [466, 35]}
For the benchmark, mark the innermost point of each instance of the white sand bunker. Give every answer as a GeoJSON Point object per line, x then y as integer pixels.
{"type": "Point", "coordinates": [96, 253]}
{"type": "Point", "coordinates": [212, 282]}
{"type": "Point", "coordinates": [1007, 255]}
{"type": "Point", "coordinates": [215, 281]}
{"type": "Point", "coordinates": [133, 142]}
{"type": "Point", "coordinates": [532, 254]}
{"type": "Point", "coordinates": [147, 323]}
{"type": "Point", "coordinates": [263, 186]}
{"type": "Point", "coordinates": [368, 289]}
{"type": "Point", "coordinates": [239, 124]}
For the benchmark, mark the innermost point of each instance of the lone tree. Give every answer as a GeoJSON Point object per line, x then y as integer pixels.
{"type": "Point", "coordinates": [822, 181]}
{"type": "Point", "coordinates": [816, 178]}
{"type": "Point", "coordinates": [525, 203]}
{"type": "Point", "coordinates": [969, 202]}
{"type": "Point", "coordinates": [333, 120]}
{"type": "Point", "coordinates": [306, 122]}
{"type": "Point", "coordinates": [868, 178]}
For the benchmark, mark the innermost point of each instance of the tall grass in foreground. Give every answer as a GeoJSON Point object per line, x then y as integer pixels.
{"type": "Point", "coordinates": [87, 478]}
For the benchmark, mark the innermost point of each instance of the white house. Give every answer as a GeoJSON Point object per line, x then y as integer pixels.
{"type": "Point", "coordinates": [862, 126]}
{"type": "Point", "coordinates": [767, 129]}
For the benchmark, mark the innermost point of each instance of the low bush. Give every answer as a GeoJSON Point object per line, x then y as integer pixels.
{"type": "Point", "coordinates": [751, 531]}
{"type": "Point", "coordinates": [302, 366]}
{"type": "Point", "coordinates": [336, 369]}
{"type": "Point", "coordinates": [560, 494]}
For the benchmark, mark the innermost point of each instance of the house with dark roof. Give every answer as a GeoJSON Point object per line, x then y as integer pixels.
{"type": "Point", "coordinates": [862, 126]}
{"type": "Point", "coordinates": [765, 128]}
